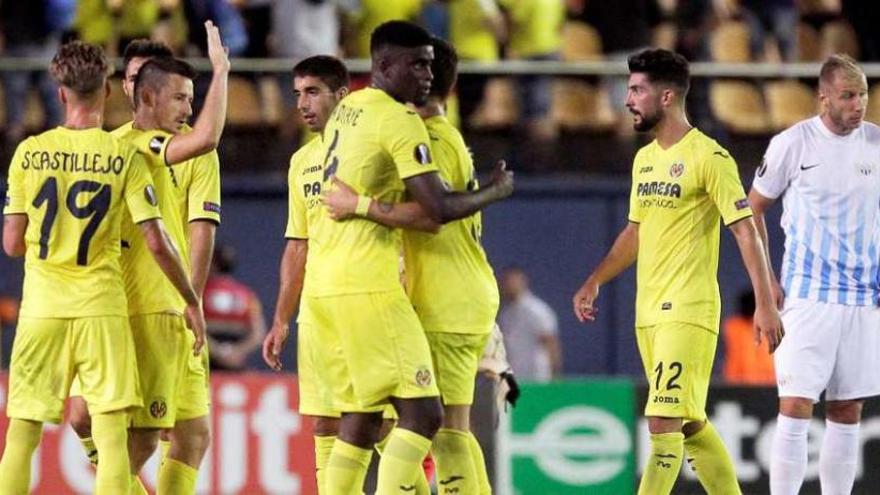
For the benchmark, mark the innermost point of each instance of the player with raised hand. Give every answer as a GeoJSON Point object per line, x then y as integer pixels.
{"type": "Point", "coordinates": [174, 382]}
{"type": "Point", "coordinates": [684, 185]}
{"type": "Point", "coordinates": [68, 191]}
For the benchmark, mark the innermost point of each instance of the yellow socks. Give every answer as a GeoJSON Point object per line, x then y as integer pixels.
{"type": "Point", "coordinates": [710, 461]}
{"type": "Point", "coordinates": [401, 462]}
{"type": "Point", "coordinates": [137, 487]}
{"type": "Point", "coordinates": [22, 439]}
{"type": "Point", "coordinates": [346, 469]}
{"type": "Point", "coordinates": [110, 433]}
{"type": "Point", "coordinates": [177, 478]}
{"type": "Point", "coordinates": [455, 462]}
{"type": "Point", "coordinates": [91, 451]}
{"type": "Point", "coordinates": [664, 464]}
{"type": "Point", "coordinates": [422, 485]}
{"type": "Point", "coordinates": [164, 447]}
{"type": "Point", "coordinates": [323, 448]}
{"type": "Point", "coordinates": [485, 487]}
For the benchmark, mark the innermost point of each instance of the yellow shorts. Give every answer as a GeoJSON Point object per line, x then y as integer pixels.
{"type": "Point", "coordinates": [49, 352]}
{"type": "Point", "coordinates": [456, 358]}
{"type": "Point", "coordinates": [194, 392]}
{"type": "Point", "coordinates": [315, 374]}
{"type": "Point", "coordinates": [381, 347]}
{"type": "Point", "coordinates": [173, 382]}
{"type": "Point", "coordinates": [678, 364]}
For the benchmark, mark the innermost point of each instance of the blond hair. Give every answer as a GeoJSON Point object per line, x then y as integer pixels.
{"type": "Point", "coordinates": [81, 67]}
{"type": "Point", "coordinates": [839, 63]}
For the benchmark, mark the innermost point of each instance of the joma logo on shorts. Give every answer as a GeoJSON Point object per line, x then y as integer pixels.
{"type": "Point", "coordinates": [660, 399]}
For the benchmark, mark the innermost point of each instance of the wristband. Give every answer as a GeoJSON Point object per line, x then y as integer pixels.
{"type": "Point", "coordinates": [363, 206]}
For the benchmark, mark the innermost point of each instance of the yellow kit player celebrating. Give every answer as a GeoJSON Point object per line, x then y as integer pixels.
{"type": "Point", "coordinates": [684, 184]}
{"type": "Point", "coordinates": [68, 191]}
{"type": "Point", "coordinates": [319, 83]}
{"type": "Point", "coordinates": [380, 147]}
{"type": "Point", "coordinates": [449, 281]}
{"type": "Point", "coordinates": [173, 381]}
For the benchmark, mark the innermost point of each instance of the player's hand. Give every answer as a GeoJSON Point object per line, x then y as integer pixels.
{"type": "Point", "coordinates": [217, 53]}
{"type": "Point", "coordinates": [273, 344]}
{"type": "Point", "coordinates": [501, 180]}
{"type": "Point", "coordinates": [777, 292]}
{"type": "Point", "coordinates": [340, 200]}
{"type": "Point", "coordinates": [584, 301]}
{"type": "Point", "coordinates": [195, 321]}
{"type": "Point", "coordinates": [768, 325]}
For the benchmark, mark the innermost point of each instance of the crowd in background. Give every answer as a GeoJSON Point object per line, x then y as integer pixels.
{"type": "Point", "coordinates": [481, 31]}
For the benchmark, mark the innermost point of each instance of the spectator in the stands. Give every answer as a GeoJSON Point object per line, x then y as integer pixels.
{"type": "Point", "coordinates": [233, 315]}
{"type": "Point", "coordinates": [778, 18]}
{"type": "Point", "coordinates": [530, 329]}
{"type": "Point", "coordinates": [745, 362]}
{"type": "Point", "coordinates": [535, 28]}
{"type": "Point", "coordinates": [371, 14]}
{"type": "Point", "coordinates": [29, 31]}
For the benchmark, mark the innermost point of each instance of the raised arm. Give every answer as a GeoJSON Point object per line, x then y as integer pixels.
{"type": "Point", "coordinates": [291, 275]}
{"type": "Point", "coordinates": [206, 132]}
{"type": "Point", "coordinates": [767, 322]}
{"type": "Point", "coordinates": [620, 257]}
{"type": "Point", "coordinates": [342, 202]}
{"type": "Point", "coordinates": [442, 205]}
{"type": "Point", "coordinates": [168, 259]}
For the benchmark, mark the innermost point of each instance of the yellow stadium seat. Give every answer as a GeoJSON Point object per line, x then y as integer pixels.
{"type": "Point", "coordinates": [665, 35]}
{"type": "Point", "coordinates": [244, 107]}
{"type": "Point", "coordinates": [739, 107]}
{"type": "Point", "coordinates": [789, 102]}
{"type": "Point", "coordinates": [499, 108]}
{"type": "Point", "coordinates": [118, 108]}
{"type": "Point", "coordinates": [873, 111]}
{"type": "Point", "coordinates": [580, 42]}
{"type": "Point", "coordinates": [809, 48]}
{"type": "Point", "coordinates": [730, 42]}
{"type": "Point", "coordinates": [579, 105]}
{"type": "Point", "coordinates": [839, 37]}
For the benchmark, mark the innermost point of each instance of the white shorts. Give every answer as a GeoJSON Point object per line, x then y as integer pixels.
{"type": "Point", "coordinates": [830, 347]}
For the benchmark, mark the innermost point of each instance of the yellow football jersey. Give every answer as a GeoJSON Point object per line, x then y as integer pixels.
{"type": "Point", "coordinates": [468, 32]}
{"type": "Point", "coordinates": [678, 197]}
{"type": "Point", "coordinates": [148, 289]}
{"type": "Point", "coordinates": [304, 178]}
{"type": "Point", "coordinates": [372, 143]}
{"type": "Point", "coordinates": [197, 188]}
{"type": "Point", "coordinates": [537, 26]}
{"type": "Point", "coordinates": [375, 12]}
{"type": "Point", "coordinates": [72, 184]}
{"type": "Point", "coordinates": [449, 279]}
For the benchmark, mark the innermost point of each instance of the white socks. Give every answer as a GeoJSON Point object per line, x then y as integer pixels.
{"type": "Point", "coordinates": [788, 460]}
{"type": "Point", "coordinates": [837, 462]}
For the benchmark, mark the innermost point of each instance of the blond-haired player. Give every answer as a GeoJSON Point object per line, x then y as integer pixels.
{"type": "Point", "coordinates": [825, 170]}
{"type": "Point", "coordinates": [174, 382]}
{"type": "Point", "coordinates": [68, 191]}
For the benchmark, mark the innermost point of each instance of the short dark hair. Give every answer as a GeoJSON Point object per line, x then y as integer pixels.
{"type": "Point", "coordinates": [444, 67]}
{"type": "Point", "coordinates": [328, 69]}
{"type": "Point", "coordinates": [398, 33]}
{"type": "Point", "coordinates": [663, 66]}
{"type": "Point", "coordinates": [155, 72]}
{"type": "Point", "coordinates": [81, 67]}
{"type": "Point", "coordinates": [144, 48]}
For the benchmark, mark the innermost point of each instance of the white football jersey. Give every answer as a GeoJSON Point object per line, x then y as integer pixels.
{"type": "Point", "coordinates": [830, 186]}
